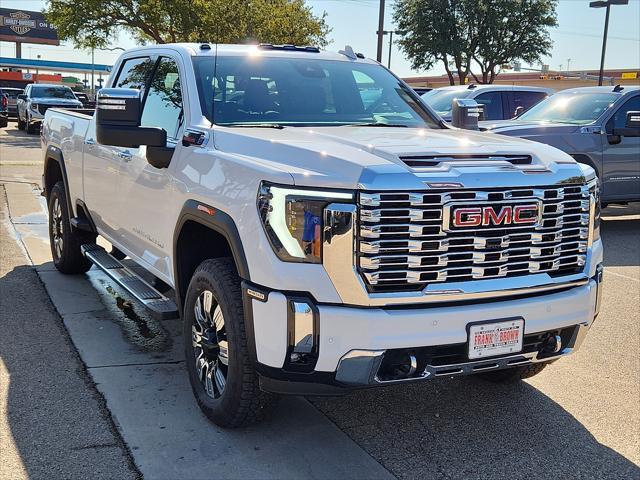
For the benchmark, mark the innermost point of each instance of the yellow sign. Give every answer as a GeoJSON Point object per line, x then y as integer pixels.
{"type": "Point", "coordinates": [629, 75]}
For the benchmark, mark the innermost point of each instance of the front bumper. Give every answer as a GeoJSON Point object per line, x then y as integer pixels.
{"type": "Point", "coordinates": [350, 343]}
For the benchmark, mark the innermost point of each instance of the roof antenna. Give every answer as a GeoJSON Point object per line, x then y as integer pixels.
{"type": "Point", "coordinates": [348, 52]}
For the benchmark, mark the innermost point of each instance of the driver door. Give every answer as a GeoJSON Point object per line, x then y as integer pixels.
{"type": "Point", "coordinates": [146, 215]}
{"type": "Point", "coordinates": [621, 157]}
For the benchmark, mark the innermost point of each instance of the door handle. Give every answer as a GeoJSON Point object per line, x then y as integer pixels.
{"type": "Point", "coordinates": [125, 156]}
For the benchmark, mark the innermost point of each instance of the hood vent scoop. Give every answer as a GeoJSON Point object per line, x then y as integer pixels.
{"type": "Point", "coordinates": [426, 161]}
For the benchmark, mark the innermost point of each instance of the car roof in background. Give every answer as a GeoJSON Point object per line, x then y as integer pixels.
{"type": "Point", "coordinates": [49, 85]}
{"type": "Point", "coordinates": [12, 88]}
{"type": "Point", "coordinates": [472, 87]}
{"type": "Point", "coordinates": [621, 89]}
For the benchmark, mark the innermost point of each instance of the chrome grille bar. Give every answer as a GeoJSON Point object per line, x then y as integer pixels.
{"type": "Point", "coordinates": [402, 243]}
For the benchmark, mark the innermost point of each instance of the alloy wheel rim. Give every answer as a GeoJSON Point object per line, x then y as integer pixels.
{"type": "Point", "coordinates": [210, 345]}
{"type": "Point", "coordinates": [57, 227]}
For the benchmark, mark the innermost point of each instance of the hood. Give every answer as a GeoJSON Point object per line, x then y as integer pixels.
{"type": "Point", "coordinates": [55, 101]}
{"type": "Point", "coordinates": [371, 157]}
{"type": "Point", "coordinates": [526, 128]}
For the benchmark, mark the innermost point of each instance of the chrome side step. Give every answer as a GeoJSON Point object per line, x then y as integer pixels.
{"type": "Point", "coordinates": [159, 306]}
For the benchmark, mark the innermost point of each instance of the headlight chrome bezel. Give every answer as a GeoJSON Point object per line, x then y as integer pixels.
{"type": "Point", "coordinates": [280, 207]}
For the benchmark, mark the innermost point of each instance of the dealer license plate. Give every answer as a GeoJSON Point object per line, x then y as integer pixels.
{"type": "Point", "coordinates": [492, 339]}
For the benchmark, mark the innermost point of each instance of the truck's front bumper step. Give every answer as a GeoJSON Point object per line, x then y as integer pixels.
{"type": "Point", "coordinates": [158, 305]}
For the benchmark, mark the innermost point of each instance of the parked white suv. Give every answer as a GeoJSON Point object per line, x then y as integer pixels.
{"type": "Point", "coordinates": [322, 229]}
{"type": "Point", "coordinates": [501, 102]}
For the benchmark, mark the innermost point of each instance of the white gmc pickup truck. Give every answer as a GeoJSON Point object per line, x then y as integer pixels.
{"type": "Point", "coordinates": [319, 227]}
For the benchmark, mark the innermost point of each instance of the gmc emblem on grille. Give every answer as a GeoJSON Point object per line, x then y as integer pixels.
{"type": "Point", "coordinates": [521, 214]}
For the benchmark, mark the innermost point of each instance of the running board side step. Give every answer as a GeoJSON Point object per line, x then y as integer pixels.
{"type": "Point", "coordinates": [159, 306]}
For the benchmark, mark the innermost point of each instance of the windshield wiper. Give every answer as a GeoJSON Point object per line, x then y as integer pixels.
{"type": "Point", "coordinates": [377, 124]}
{"type": "Point", "coordinates": [255, 125]}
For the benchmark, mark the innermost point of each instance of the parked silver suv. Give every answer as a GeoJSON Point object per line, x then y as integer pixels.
{"type": "Point", "coordinates": [500, 101]}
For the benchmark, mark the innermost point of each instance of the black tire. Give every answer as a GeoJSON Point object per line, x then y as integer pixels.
{"type": "Point", "coordinates": [239, 402]}
{"type": "Point", "coordinates": [32, 127]}
{"type": "Point", "coordinates": [514, 374]}
{"type": "Point", "coordinates": [65, 241]}
{"type": "Point", "coordinates": [21, 125]}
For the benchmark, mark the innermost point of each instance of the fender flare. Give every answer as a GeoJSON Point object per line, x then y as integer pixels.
{"type": "Point", "coordinates": [54, 154]}
{"type": "Point", "coordinates": [216, 220]}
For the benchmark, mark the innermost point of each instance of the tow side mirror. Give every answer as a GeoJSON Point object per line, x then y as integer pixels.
{"type": "Point", "coordinates": [118, 112]}
{"type": "Point", "coordinates": [466, 113]}
{"type": "Point", "coordinates": [631, 125]}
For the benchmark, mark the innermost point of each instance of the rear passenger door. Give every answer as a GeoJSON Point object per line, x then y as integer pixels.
{"type": "Point", "coordinates": [522, 99]}
{"type": "Point", "coordinates": [102, 163]}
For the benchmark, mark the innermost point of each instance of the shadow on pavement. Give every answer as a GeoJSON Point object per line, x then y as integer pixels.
{"type": "Point", "coordinates": [620, 230]}
{"type": "Point", "coordinates": [468, 428]}
{"type": "Point", "coordinates": [18, 138]}
{"type": "Point", "coordinates": [59, 425]}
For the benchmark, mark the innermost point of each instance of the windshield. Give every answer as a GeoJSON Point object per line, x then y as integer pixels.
{"type": "Point", "coordinates": [576, 108]}
{"type": "Point", "coordinates": [301, 92]}
{"type": "Point", "coordinates": [52, 92]}
{"type": "Point", "coordinates": [440, 100]}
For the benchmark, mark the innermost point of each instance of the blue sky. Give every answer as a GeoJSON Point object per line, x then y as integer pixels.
{"type": "Point", "coordinates": [578, 36]}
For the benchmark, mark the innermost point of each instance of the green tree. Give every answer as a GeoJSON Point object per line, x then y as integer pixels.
{"type": "Point", "coordinates": [510, 30]}
{"type": "Point", "coordinates": [95, 23]}
{"type": "Point", "coordinates": [437, 31]}
{"type": "Point", "coordinates": [488, 32]}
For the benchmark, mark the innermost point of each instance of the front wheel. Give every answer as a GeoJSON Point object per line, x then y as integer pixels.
{"type": "Point", "coordinates": [513, 374]}
{"type": "Point", "coordinates": [222, 375]}
{"type": "Point", "coordinates": [31, 127]}
{"type": "Point", "coordinates": [21, 124]}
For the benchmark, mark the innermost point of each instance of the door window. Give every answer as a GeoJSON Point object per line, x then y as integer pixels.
{"type": "Point", "coordinates": [492, 102]}
{"type": "Point", "coordinates": [619, 118]}
{"type": "Point", "coordinates": [134, 73]}
{"type": "Point", "coordinates": [163, 106]}
{"type": "Point", "coordinates": [526, 100]}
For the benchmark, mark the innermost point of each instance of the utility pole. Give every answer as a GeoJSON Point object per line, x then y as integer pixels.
{"type": "Point", "coordinates": [37, 71]}
{"type": "Point", "coordinates": [607, 4]}
{"type": "Point", "coordinates": [380, 31]}
{"type": "Point", "coordinates": [568, 63]}
{"type": "Point", "coordinates": [93, 73]}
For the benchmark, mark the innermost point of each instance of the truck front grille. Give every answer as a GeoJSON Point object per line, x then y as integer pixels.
{"type": "Point", "coordinates": [405, 240]}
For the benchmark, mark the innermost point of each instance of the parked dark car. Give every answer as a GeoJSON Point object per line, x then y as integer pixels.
{"type": "Point", "coordinates": [4, 120]}
{"type": "Point", "coordinates": [84, 98]}
{"type": "Point", "coordinates": [12, 100]}
{"type": "Point", "coordinates": [597, 126]}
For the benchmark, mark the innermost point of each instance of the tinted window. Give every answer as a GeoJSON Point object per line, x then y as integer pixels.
{"type": "Point", "coordinates": [492, 102]}
{"type": "Point", "coordinates": [52, 92]}
{"type": "Point", "coordinates": [576, 108]}
{"type": "Point", "coordinates": [134, 73]}
{"type": "Point", "coordinates": [526, 100]}
{"type": "Point", "coordinates": [296, 91]}
{"type": "Point", "coordinates": [163, 106]}
{"type": "Point", "coordinates": [10, 93]}
{"type": "Point", "coordinates": [619, 118]}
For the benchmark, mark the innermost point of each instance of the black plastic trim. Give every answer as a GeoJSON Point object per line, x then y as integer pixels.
{"type": "Point", "coordinates": [218, 221]}
{"type": "Point", "coordinates": [54, 154]}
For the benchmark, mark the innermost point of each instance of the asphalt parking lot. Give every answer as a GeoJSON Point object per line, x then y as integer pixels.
{"type": "Point", "coordinates": [119, 374]}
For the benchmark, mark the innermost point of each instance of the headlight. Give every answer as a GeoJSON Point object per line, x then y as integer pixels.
{"type": "Point", "coordinates": [292, 218]}
{"type": "Point", "coordinates": [594, 210]}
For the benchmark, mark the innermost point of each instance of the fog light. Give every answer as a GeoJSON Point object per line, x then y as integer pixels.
{"type": "Point", "coordinates": [303, 334]}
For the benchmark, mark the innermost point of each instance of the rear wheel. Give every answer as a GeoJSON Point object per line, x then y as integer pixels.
{"type": "Point", "coordinates": [222, 375]}
{"type": "Point", "coordinates": [514, 374]}
{"type": "Point", "coordinates": [65, 241]}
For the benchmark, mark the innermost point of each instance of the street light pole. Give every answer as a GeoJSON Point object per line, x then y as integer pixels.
{"type": "Point", "coordinates": [380, 31]}
{"type": "Point", "coordinates": [607, 4]}
{"type": "Point", "coordinates": [390, 44]}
